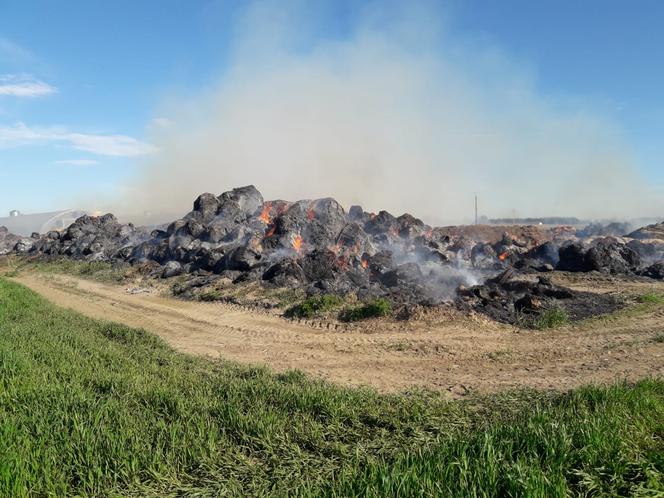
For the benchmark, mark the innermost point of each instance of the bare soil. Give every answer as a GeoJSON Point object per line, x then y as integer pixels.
{"type": "Point", "coordinates": [442, 350]}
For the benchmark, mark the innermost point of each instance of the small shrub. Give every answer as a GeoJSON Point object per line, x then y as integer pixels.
{"type": "Point", "coordinates": [650, 298]}
{"type": "Point", "coordinates": [551, 318]}
{"type": "Point", "coordinates": [313, 306]}
{"type": "Point", "coordinates": [659, 338]}
{"type": "Point", "coordinates": [373, 309]}
{"type": "Point", "coordinates": [210, 295]}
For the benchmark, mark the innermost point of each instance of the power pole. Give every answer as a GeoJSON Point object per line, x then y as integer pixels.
{"type": "Point", "coordinates": [476, 209]}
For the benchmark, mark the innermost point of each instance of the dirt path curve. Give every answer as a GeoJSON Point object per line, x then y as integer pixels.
{"type": "Point", "coordinates": [454, 356]}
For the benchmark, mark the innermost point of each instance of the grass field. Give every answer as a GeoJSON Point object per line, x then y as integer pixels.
{"type": "Point", "coordinates": [98, 409]}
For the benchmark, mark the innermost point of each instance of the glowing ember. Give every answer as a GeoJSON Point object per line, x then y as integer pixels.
{"type": "Point", "coordinates": [265, 214]}
{"type": "Point", "coordinates": [364, 262]}
{"type": "Point", "coordinates": [297, 242]}
{"type": "Point", "coordinates": [503, 256]}
{"type": "Point", "coordinates": [270, 231]}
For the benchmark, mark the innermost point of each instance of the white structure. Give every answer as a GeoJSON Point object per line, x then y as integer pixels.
{"type": "Point", "coordinates": [26, 224]}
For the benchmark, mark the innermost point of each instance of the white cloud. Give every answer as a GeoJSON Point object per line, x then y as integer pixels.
{"type": "Point", "coordinates": [77, 162]}
{"type": "Point", "coordinates": [24, 86]}
{"type": "Point", "coordinates": [103, 145]}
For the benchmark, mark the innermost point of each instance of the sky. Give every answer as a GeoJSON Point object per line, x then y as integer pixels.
{"type": "Point", "coordinates": [95, 97]}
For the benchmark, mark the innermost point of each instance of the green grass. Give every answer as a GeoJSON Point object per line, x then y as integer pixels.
{"type": "Point", "coordinates": [314, 306]}
{"type": "Point", "coordinates": [211, 295]}
{"type": "Point", "coordinates": [551, 318]}
{"type": "Point", "coordinates": [89, 408]}
{"type": "Point", "coordinates": [651, 298]}
{"type": "Point", "coordinates": [377, 308]}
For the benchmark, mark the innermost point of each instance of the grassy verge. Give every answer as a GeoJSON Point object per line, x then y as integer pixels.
{"type": "Point", "coordinates": [313, 306]}
{"type": "Point", "coordinates": [373, 309]}
{"type": "Point", "coordinates": [101, 271]}
{"type": "Point", "coordinates": [94, 408]}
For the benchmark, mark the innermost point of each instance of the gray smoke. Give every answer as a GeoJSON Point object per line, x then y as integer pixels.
{"type": "Point", "coordinates": [400, 115]}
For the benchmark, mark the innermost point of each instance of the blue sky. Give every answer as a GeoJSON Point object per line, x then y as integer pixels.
{"type": "Point", "coordinates": [83, 83]}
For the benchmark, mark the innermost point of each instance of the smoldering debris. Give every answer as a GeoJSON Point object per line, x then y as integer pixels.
{"type": "Point", "coordinates": [510, 298]}
{"type": "Point", "coordinates": [319, 248]}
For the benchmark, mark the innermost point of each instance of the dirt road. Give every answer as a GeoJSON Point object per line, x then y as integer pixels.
{"type": "Point", "coordinates": [456, 356]}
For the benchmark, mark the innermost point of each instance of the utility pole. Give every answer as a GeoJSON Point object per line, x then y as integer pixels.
{"type": "Point", "coordinates": [476, 209]}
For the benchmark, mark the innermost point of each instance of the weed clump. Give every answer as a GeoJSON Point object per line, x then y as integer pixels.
{"type": "Point", "coordinates": [650, 298]}
{"type": "Point", "coordinates": [551, 318]}
{"type": "Point", "coordinates": [210, 296]}
{"type": "Point", "coordinates": [313, 306]}
{"type": "Point", "coordinates": [377, 308]}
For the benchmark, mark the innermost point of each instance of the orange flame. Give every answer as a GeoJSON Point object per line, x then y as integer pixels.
{"type": "Point", "coordinates": [270, 231]}
{"type": "Point", "coordinates": [364, 262]}
{"type": "Point", "coordinates": [503, 256]}
{"type": "Point", "coordinates": [265, 214]}
{"type": "Point", "coordinates": [297, 242]}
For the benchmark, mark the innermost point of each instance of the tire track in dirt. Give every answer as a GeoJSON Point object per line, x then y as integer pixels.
{"type": "Point", "coordinates": [454, 355]}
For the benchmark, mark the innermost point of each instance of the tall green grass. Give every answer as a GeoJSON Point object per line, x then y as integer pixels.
{"type": "Point", "coordinates": [91, 408]}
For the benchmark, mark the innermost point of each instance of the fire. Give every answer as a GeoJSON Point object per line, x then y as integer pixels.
{"type": "Point", "coordinates": [503, 256]}
{"type": "Point", "coordinates": [364, 262]}
{"type": "Point", "coordinates": [297, 242]}
{"type": "Point", "coordinates": [265, 214]}
{"type": "Point", "coordinates": [270, 231]}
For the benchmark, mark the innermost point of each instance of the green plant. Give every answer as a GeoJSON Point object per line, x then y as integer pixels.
{"type": "Point", "coordinates": [659, 338]}
{"type": "Point", "coordinates": [376, 308]}
{"type": "Point", "coordinates": [551, 318]}
{"type": "Point", "coordinates": [651, 298]}
{"type": "Point", "coordinates": [313, 306]}
{"type": "Point", "coordinates": [210, 295]}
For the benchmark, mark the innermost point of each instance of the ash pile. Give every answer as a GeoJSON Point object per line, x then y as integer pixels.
{"type": "Point", "coordinates": [628, 256]}
{"type": "Point", "coordinates": [316, 246]}
{"type": "Point", "coordinates": [8, 241]}
{"type": "Point", "coordinates": [93, 238]}
{"type": "Point", "coordinates": [520, 299]}
{"type": "Point", "coordinates": [310, 244]}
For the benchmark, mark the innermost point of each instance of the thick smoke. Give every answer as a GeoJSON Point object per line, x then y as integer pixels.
{"type": "Point", "coordinates": [398, 115]}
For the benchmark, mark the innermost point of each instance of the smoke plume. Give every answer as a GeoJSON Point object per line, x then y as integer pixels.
{"type": "Point", "coordinates": [396, 114]}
